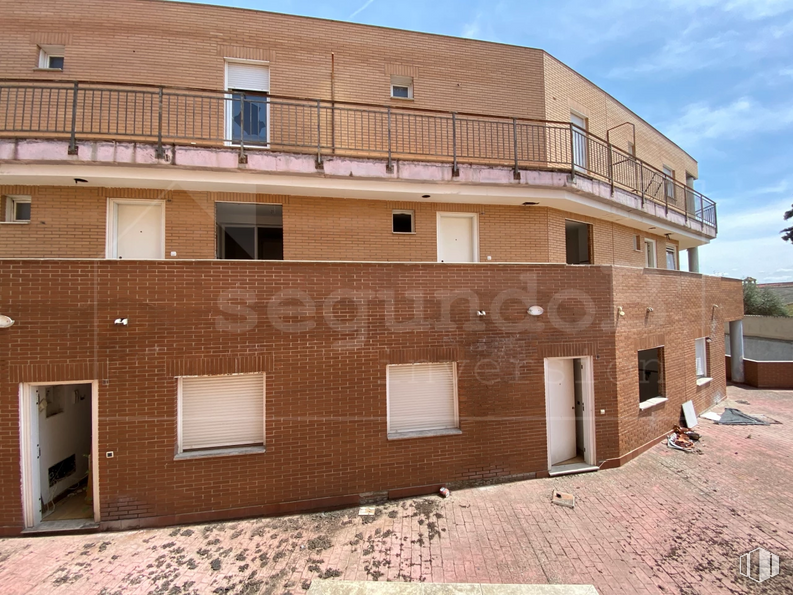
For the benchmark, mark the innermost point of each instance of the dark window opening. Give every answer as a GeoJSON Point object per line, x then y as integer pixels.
{"type": "Point", "coordinates": [249, 117]}
{"type": "Point", "coordinates": [55, 62]}
{"type": "Point", "coordinates": [403, 222]}
{"type": "Point", "coordinates": [578, 238]}
{"type": "Point", "coordinates": [651, 374]}
{"type": "Point", "coordinates": [401, 92]}
{"type": "Point", "coordinates": [249, 231]}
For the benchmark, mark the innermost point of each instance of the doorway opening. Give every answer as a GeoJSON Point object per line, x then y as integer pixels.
{"type": "Point", "coordinates": [58, 462]}
{"type": "Point", "coordinates": [578, 242]}
{"type": "Point", "coordinates": [569, 402]}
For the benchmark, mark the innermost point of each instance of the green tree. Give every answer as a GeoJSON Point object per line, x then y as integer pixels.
{"type": "Point", "coordinates": [758, 301]}
{"type": "Point", "coordinates": [787, 233]}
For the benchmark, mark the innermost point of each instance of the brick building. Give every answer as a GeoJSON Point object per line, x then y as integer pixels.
{"type": "Point", "coordinates": [254, 263]}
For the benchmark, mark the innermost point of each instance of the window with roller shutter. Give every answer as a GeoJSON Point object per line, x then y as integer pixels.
{"type": "Point", "coordinates": [221, 412]}
{"type": "Point", "coordinates": [247, 112]}
{"type": "Point", "coordinates": [422, 399]}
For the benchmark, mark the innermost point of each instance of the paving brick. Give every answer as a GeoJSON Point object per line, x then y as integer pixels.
{"type": "Point", "coordinates": [666, 523]}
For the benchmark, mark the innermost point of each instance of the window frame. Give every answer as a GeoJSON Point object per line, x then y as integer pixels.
{"type": "Point", "coordinates": [448, 431]}
{"type": "Point", "coordinates": [46, 52]}
{"type": "Point", "coordinates": [402, 82]}
{"type": "Point", "coordinates": [217, 451]}
{"type": "Point", "coordinates": [662, 397]}
{"type": "Point", "coordinates": [229, 101]}
{"type": "Point", "coordinates": [220, 247]}
{"type": "Point", "coordinates": [637, 243]}
{"type": "Point", "coordinates": [669, 183]}
{"type": "Point", "coordinates": [648, 243]}
{"type": "Point", "coordinates": [11, 202]}
{"type": "Point", "coordinates": [590, 248]}
{"type": "Point", "coordinates": [671, 249]}
{"type": "Point", "coordinates": [412, 214]}
{"type": "Point", "coordinates": [705, 377]}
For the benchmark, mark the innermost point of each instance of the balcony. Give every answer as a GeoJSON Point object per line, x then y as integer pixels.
{"type": "Point", "coordinates": [174, 122]}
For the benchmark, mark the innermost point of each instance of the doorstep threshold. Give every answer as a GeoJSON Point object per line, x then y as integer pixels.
{"type": "Point", "coordinates": [75, 526]}
{"type": "Point", "coordinates": [557, 470]}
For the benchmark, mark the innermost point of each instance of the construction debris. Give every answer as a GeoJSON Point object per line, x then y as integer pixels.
{"type": "Point", "coordinates": [563, 499]}
{"type": "Point", "coordinates": [444, 492]}
{"type": "Point", "coordinates": [736, 417]}
{"type": "Point", "coordinates": [683, 439]}
{"type": "Point", "coordinates": [711, 416]}
{"type": "Point", "coordinates": [366, 511]}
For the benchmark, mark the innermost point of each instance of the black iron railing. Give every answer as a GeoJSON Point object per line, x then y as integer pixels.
{"type": "Point", "coordinates": [251, 120]}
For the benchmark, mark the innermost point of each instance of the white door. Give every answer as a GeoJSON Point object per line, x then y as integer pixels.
{"type": "Point", "coordinates": [33, 515]}
{"type": "Point", "coordinates": [137, 231]}
{"type": "Point", "coordinates": [580, 148]}
{"type": "Point", "coordinates": [561, 409]}
{"type": "Point", "coordinates": [457, 237]}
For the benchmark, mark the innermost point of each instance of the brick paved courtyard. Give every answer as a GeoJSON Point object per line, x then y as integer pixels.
{"type": "Point", "coordinates": [668, 522]}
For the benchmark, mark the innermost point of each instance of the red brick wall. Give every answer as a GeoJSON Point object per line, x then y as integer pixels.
{"type": "Point", "coordinates": [683, 310]}
{"type": "Point", "coordinates": [325, 390]}
{"type": "Point", "coordinates": [764, 374]}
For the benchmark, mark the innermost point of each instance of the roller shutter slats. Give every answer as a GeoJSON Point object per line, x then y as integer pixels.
{"type": "Point", "coordinates": [248, 77]}
{"type": "Point", "coordinates": [421, 397]}
{"type": "Point", "coordinates": [222, 411]}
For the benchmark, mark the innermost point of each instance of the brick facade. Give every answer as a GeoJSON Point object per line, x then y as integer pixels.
{"type": "Point", "coordinates": [325, 387]}
{"type": "Point", "coordinates": [183, 45]}
{"type": "Point", "coordinates": [765, 374]}
{"type": "Point", "coordinates": [69, 222]}
{"type": "Point", "coordinates": [326, 439]}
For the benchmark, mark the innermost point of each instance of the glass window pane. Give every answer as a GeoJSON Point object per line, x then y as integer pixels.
{"type": "Point", "coordinates": [403, 92]}
{"type": "Point", "coordinates": [239, 243]}
{"type": "Point", "coordinates": [271, 243]}
{"type": "Point", "coordinates": [403, 222]}
{"type": "Point", "coordinates": [21, 211]}
{"type": "Point", "coordinates": [249, 118]}
{"type": "Point", "coordinates": [56, 62]}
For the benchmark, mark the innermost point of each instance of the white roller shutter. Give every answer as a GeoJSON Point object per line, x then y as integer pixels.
{"type": "Point", "coordinates": [248, 77]}
{"type": "Point", "coordinates": [422, 397]}
{"type": "Point", "coordinates": [222, 411]}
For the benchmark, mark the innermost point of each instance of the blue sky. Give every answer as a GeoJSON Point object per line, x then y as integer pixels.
{"type": "Point", "coordinates": [716, 76]}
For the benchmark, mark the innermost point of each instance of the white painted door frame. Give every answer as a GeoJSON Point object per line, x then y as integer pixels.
{"type": "Point", "coordinates": [29, 448]}
{"type": "Point", "coordinates": [474, 231]}
{"type": "Point", "coordinates": [111, 233]}
{"type": "Point", "coordinates": [588, 395]}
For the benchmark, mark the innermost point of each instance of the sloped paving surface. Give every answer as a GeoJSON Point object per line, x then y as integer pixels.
{"type": "Point", "coordinates": [668, 522]}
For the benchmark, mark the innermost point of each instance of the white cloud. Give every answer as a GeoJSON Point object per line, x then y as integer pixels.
{"type": "Point", "coordinates": [679, 55]}
{"type": "Point", "coordinates": [751, 9]}
{"type": "Point", "coordinates": [742, 117]}
{"type": "Point", "coordinates": [473, 29]}
{"type": "Point", "coordinates": [361, 9]}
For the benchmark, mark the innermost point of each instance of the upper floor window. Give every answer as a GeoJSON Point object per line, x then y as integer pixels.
{"type": "Point", "coordinates": [51, 56]}
{"type": "Point", "coordinates": [402, 222]}
{"type": "Point", "coordinates": [17, 209]}
{"type": "Point", "coordinates": [671, 258]}
{"type": "Point", "coordinates": [402, 87]}
{"type": "Point", "coordinates": [669, 183]}
{"type": "Point", "coordinates": [649, 249]}
{"type": "Point", "coordinates": [248, 109]}
{"type": "Point", "coordinates": [249, 231]}
{"type": "Point", "coordinates": [578, 242]}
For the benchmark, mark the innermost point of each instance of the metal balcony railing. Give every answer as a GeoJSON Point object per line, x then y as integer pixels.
{"type": "Point", "coordinates": [245, 120]}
